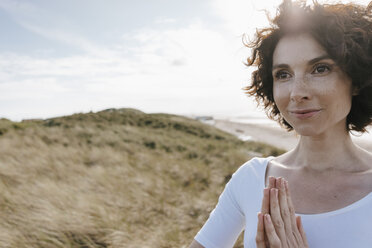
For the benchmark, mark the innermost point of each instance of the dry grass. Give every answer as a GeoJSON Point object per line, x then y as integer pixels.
{"type": "Point", "coordinates": [116, 178]}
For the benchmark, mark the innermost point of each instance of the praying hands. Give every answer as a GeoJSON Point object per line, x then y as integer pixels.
{"type": "Point", "coordinates": [278, 226]}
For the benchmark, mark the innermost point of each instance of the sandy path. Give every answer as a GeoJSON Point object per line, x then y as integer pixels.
{"type": "Point", "coordinates": [262, 133]}
{"type": "Point", "coordinates": [271, 135]}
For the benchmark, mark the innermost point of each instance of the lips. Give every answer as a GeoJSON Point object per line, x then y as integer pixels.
{"type": "Point", "coordinates": [304, 113]}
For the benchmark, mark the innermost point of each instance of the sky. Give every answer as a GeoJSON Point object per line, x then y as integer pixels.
{"type": "Point", "coordinates": [172, 56]}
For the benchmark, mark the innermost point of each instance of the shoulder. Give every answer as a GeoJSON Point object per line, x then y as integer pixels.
{"type": "Point", "coordinates": [246, 184]}
{"type": "Point", "coordinates": [255, 167]}
{"type": "Point", "coordinates": [251, 174]}
{"type": "Point", "coordinates": [365, 156]}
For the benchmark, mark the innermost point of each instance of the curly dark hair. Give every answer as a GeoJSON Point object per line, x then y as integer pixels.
{"type": "Point", "coordinates": [343, 30]}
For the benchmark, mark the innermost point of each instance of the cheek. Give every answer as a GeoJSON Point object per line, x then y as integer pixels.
{"type": "Point", "coordinates": [338, 84]}
{"type": "Point", "coordinates": [280, 96]}
{"type": "Point", "coordinates": [338, 97]}
{"type": "Point", "coordinates": [343, 104]}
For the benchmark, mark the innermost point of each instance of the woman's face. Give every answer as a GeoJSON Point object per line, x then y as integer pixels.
{"type": "Point", "coordinates": [310, 90]}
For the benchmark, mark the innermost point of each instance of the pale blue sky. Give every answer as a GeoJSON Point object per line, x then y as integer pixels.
{"type": "Point", "coordinates": [176, 56]}
{"type": "Point", "coordinates": [102, 22]}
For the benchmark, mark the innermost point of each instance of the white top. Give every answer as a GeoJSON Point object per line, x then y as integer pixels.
{"type": "Point", "coordinates": [241, 200]}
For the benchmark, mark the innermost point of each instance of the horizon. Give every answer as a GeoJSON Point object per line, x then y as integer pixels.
{"type": "Point", "coordinates": [253, 115]}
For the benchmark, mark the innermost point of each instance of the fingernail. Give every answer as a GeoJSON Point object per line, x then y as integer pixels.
{"type": "Point", "coordinates": [267, 217]}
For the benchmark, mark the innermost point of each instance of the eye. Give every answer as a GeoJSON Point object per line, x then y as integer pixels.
{"type": "Point", "coordinates": [282, 75]}
{"type": "Point", "coordinates": [321, 68]}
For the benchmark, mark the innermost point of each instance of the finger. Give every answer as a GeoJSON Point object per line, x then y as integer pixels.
{"type": "Point", "coordinates": [276, 215]}
{"type": "Point", "coordinates": [290, 206]}
{"type": "Point", "coordinates": [284, 210]}
{"type": "Point", "coordinates": [266, 205]}
{"type": "Point", "coordinates": [295, 231]}
{"type": "Point", "coordinates": [260, 236]}
{"type": "Point", "coordinates": [265, 208]}
{"type": "Point", "coordinates": [272, 236]}
{"type": "Point", "coordinates": [272, 181]}
{"type": "Point", "coordinates": [302, 231]}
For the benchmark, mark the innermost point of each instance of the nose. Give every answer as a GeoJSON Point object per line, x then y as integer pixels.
{"type": "Point", "coordinates": [300, 90]}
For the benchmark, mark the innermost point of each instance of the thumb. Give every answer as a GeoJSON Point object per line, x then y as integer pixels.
{"type": "Point", "coordinates": [301, 229]}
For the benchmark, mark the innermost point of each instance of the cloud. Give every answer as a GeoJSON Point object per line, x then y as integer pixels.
{"type": "Point", "coordinates": [201, 50]}
{"type": "Point", "coordinates": [243, 16]}
{"type": "Point", "coordinates": [69, 38]}
{"type": "Point", "coordinates": [178, 62]}
{"type": "Point", "coordinates": [165, 20]}
{"type": "Point", "coordinates": [182, 69]}
{"type": "Point", "coordinates": [29, 89]}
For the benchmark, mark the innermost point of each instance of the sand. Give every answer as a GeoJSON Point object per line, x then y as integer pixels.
{"type": "Point", "coordinates": [271, 135]}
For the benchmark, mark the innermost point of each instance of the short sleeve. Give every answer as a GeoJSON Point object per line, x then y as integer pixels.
{"type": "Point", "coordinates": [225, 222]}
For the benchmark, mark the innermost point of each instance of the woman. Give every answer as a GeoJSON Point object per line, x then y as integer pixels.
{"type": "Point", "coordinates": [314, 76]}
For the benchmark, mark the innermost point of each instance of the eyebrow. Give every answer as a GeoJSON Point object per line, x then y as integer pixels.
{"type": "Point", "coordinates": [310, 62]}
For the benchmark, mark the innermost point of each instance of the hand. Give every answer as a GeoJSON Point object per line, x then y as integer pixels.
{"type": "Point", "coordinates": [279, 228]}
{"type": "Point", "coordinates": [261, 238]}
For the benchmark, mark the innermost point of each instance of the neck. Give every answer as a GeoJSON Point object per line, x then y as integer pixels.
{"type": "Point", "coordinates": [329, 151]}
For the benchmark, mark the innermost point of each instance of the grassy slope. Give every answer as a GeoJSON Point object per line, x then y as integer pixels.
{"type": "Point", "coordinates": [116, 178]}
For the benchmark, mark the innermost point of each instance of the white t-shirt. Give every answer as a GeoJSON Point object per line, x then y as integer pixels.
{"type": "Point", "coordinates": [241, 200]}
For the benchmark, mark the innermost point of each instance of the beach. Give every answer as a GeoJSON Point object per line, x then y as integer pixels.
{"type": "Point", "coordinates": [268, 132]}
